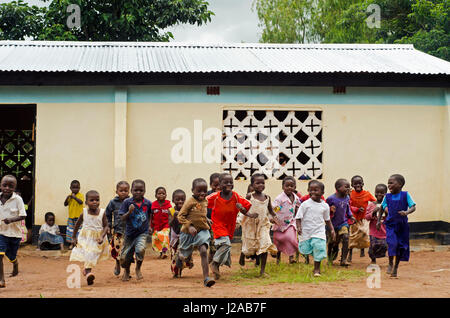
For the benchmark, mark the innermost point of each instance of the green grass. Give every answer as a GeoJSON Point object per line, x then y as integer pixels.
{"type": "Point", "coordinates": [295, 273]}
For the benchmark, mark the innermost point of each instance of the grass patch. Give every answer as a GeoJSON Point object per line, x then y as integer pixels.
{"type": "Point", "coordinates": [295, 273]}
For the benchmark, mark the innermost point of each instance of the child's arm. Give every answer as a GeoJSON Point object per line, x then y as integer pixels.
{"type": "Point", "coordinates": [108, 213]}
{"type": "Point", "coordinates": [330, 226]}
{"type": "Point", "coordinates": [125, 216]}
{"type": "Point", "coordinates": [75, 229]}
{"type": "Point", "coordinates": [66, 201]}
{"type": "Point", "coordinates": [73, 196]}
{"type": "Point", "coordinates": [22, 213]}
{"type": "Point", "coordinates": [105, 229]}
{"type": "Point", "coordinates": [409, 211]}
{"type": "Point", "coordinates": [299, 226]}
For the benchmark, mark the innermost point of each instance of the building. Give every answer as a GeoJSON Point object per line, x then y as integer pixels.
{"type": "Point", "coordinates": [101, 112]}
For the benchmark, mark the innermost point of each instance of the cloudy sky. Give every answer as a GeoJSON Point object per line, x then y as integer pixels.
{"type": "Point", "coordinates": [234, 21]}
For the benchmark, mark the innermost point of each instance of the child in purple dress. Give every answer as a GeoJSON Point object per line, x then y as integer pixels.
{"type": "Point", "coordinates": [398, 204]}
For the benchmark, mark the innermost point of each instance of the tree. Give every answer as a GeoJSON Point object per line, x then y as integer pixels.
{"type": "Point", "coordinates": [102, 20]}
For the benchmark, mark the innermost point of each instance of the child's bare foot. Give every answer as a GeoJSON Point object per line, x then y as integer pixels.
{"type": "Point", "coordinates": [117, 269]}
{"type": "Point", "coordinates": [292, 260]}
{"type": "Point", "coordinates": [126, 275]}
{"type": "Point", "coordinates": [344, 263]}
{"type": "Point", "coordinates": [264, 275]}
{"type": "Point", "coordinates": [215, 270]}
{"type": "Point", "coordinates": [90, 278]}
{"type": "Point", "coordinates": [139, 274]}
{"type": "Point", "coordinates": [70, 247]}
{"type": "Point", "coordinates": [242, 259]}
{"type": "Point", "coordinates": [163, 256]}
{"type": "Point", "coordinates": [2, 284]}
{"type": "Point", "coordinates": [316, 273]}
{"type": "Point", "coordinates": [394, 273]}
{"type": "Point", "coordinates": [389, 269]}
{"type": "Point", "coordinates": [15, 271]}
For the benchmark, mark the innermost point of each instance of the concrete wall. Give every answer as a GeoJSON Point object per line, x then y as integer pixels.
{"type": "Point", "coordinates": [101, 135]}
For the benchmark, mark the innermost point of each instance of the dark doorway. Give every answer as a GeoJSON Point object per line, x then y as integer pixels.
{"type": "Point", "coordinates": [17, 151]}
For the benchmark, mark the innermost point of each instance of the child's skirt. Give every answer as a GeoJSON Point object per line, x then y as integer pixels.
{"type": "Point", "coordinates": [88, 250]}
{"type": "Point", "coordinates": [378, 247]}
{"type": "Point", "coordinates": [116, 245]}
{"type": "Point", "coordinates": [69, 230]}
{"type": "Point", "coordinates": [286, 242]}
{"type": "Point", "coordinates": [188, 242]}
{"type": "Point", "coordinates": [160, 240]}
{"type": "Point", "coordinates": [397, 239]}
{"type": "Point", "coordinates": [359, 234]}
{"type": "Point", "coordinates": [50, 241]}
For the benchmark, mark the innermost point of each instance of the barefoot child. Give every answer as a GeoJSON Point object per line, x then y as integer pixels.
{"type": "Point", "coordinates": [225, 206]}
{"type": "Point", "coordinates": [359, 231]}
{"type": "Point", "coordinates": [398, 204]}
{"type": "Point", "coordinates": [135, 214]}
{"type": "Point", "coordinates": [115, 225]}
{"type": "Point", "coordinates": [285, 232]}
{"type": "Point", "coordinates": [378, 246]}
{"type": "Point", "coordinates": [49, 236]}
{"type": "Point", "coordinates": [178, 199]}
{"type": "Point", "coordinates": [75, 203]}
{"type": "Point", "coordinates": [12, 212]}
{"type": "Point", "coordinates": [339, 204]}
{"type": "Point", "coordinates": [90, 245]}
{"type": "Point", "coordinates": [160, 222]}
{"type": "Point", "coordinates": [256, 231]}
{"type": "Point", "coordinates": [195, 229]}
{"type": "Point", "coordinates": [311, 218]}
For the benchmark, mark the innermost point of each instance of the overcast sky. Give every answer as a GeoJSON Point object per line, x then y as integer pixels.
{"type": "Point", "coordinates": [234, 21]}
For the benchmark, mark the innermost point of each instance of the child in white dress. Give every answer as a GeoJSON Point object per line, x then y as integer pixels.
{"type": "Point", "coordinates": [90, 243]}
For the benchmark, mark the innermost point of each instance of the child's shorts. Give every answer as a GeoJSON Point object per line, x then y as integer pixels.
{"type": "Point", "coordinates": [9, 247]}
{"type": "Point", "coordinates": [315, 246]}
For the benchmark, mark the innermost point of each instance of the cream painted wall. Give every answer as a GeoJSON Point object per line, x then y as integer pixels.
{"type": "Point", "coordinates": [73, 141]}
{"type": "Point", "coordinates": [374, 141]}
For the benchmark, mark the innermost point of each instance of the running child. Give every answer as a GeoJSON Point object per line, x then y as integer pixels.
{"type": "Point", "coordinates": [115, 225]}
{"type": "Point", "coordinates": [178, 199]}
{"type": "Point", "coordinates": [215, 186]}
{"type": "Point", "coordinates": [359, 230]}
{"type": "Point", "coordinates": [12, 212]}
{"type": "Point", "coordinates": [49, 236]}
{"type": "Point", "coordinates": [195, 229]}
{"type": "Point", "coordinates": [378, 246]}
{"type": "Point", "coordinates": [75, 202]}
{"type": "Point", "coordinates": [340, 206]}
{"type": "Point", "coordinates": [225, 206]}
{"type": "Point", "coordinates": [135, 214]}
{"type": "Point", "coordinates": [160, 222]}
{"type": "Point", "coordinates": [311, 218]}
{"type": "Point", "coordinates": [399, 205]}
{"type": "Point", "coordinates": [256, 231]}
{"type": "Point", "coordinates": [90, 245]}
{"type": "Point", "coordinates": [285, 232]}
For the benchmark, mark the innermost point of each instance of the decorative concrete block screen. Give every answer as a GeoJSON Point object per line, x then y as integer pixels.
{"type": "Point", "coordinates": [275, 143]}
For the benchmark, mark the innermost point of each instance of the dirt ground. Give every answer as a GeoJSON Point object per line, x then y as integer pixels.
{"type": "Point", "coordinates": [427, 274]}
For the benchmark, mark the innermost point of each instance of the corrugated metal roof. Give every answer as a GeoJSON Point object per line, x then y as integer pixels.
{"type": "Point", "coordinates": [176, 57]}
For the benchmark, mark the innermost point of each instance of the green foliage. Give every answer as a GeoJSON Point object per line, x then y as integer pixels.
{"type": "Point", "coordinates": [101, 20]}
{"type": "Point", "coordinates": [423, 23]}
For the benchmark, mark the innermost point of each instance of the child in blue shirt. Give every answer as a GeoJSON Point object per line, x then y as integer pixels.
{"type": "Point", "coordinates": [135, 213]}
{"type": "Point", "coordinates": [398, 204]}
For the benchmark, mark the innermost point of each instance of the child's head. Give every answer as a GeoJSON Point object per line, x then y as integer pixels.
{"type": "Point", "coordinates": [214, 182]}
{"type": "Point", "coordinates": [160, 194]}
{"type": "Point", "coordinates": [250, 188]}
{"type": "Point", "coordinates": [8, 185]}
{"type": "Point", "coordinates": [226, 182]}
{"type": "Point", "coordinates": [342, 186]}
{"type": "Point", "coordinates": [199, 188]}
{"type": "Point", "coordinates": [122, 190]}
{"type": "Point", "coordinates": [178, 198]}
{"type": "Point", "coordinates": [92, 200]}
{"type": "Point", "coordinates": [316, 190]}
{"type": "Point", "coordinates": [396, 183]}
{"type": "Point", "coordinates": [257, 182]}
{"type": "Point", "coordinates": [75, 186]}
{"type": "Point", "coordinates": [50, 218]}
{"type": "Point", "coordinates": [357, 183]}
{"type": "Point", "coordinates": [138, 189]}
{"type": "Point", "coordinates": [289, 185]}
{"type": "Point", "coordinates": [380, 192]}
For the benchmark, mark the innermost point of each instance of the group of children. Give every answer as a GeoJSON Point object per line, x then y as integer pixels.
{"type": "Point", "coordinates": [309, 225]}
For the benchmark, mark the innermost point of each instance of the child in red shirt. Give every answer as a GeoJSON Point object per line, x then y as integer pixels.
{"type": "Point", "coordinates": [160, 222]}
{"type": "Point", "coordinates": [359, 199]}
{"type": "Point", "coordinates": [225, 206]}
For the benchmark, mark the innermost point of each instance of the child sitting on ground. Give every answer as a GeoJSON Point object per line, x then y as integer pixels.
{"type": "Point", "coordinates": [114, 223]}
{"type": "Point", "coordinates": [378, 246]}
{"type": "Point", "coordinates": [160, 222]}
{"type": "Point", "coordinates": [311, 217]}
{"type": "Point", "coordinates": [49, 236]}
{"type": "Point", "coordinates": [178, 199]}
{"type": "Point", "coordinates": [399, 205]}
{"type": "Point", "coordinates": [90, 245]}
{"type": "Point", "coordinates": [75, 203]}
{"type": "Point", "coordinates": [194, 231]}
